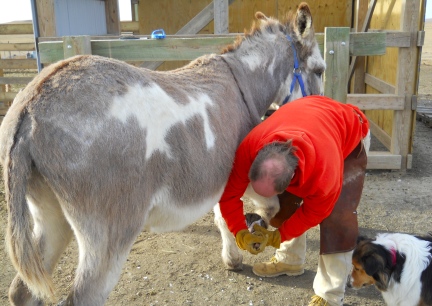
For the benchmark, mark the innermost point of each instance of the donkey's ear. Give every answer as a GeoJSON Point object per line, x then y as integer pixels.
{"type": "Point", "coordinates": [260, 15]}
{"type": "Point", "coordinates": [303, 22]}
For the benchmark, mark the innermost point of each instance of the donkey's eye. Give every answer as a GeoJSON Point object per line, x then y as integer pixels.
{"type": "Point", "coordinates": [319, 73]}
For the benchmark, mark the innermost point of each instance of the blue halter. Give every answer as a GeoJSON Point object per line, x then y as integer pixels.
{"type": "Point", "coordinates": [297, 74]}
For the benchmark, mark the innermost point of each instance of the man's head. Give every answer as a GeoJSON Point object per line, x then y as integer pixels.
{"type": "Point", "coordinates": [273, 168]}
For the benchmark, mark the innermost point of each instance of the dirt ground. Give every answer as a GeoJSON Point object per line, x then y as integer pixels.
{"type": "Point", "coordinates": [185, 268]}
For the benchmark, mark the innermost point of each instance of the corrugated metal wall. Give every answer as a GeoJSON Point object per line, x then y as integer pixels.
{"type": "Point", "coordinates": [80, 17]}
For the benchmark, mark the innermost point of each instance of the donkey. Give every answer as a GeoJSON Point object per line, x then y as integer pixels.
{"type": "Point", "coordinates": [99, 149]}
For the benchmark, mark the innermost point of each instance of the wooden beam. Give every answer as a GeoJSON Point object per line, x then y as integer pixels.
{"type": "Point", "coordinates": [364, 44]}
{"type": "Point", "coordinates": [7, 96]}
{"type": "Point", "coordinates": [409, 161]}
{"type": "Point", "coordinates": [384, 160]}
{"type": "Point", "coordinates": [360, 44]}
{"type": "Point", "coordinates": [2, 87]}
{"type": "Point", "coordinates": [17, 47]}
{"type": "Point", "coordinates": [172, 49]}
{"type": "Point", "coordinates": [17, 39]}
{"type": "Point", "coordinates": [380, 134]}
{"type": "Point", "coordinates": [27, 63]}
{"type": "Point", "coordinates": [357, 81]}
{"type": "Point", "coordinates": [421, 38]}
{"type": "Point", "coordinates": [51, 49]}
{"type": "Point", "coordinates": [404, 120]}
{"type": "Point", "coordinates": [379, 84]}
{"type": "Point", "coordinates": [112, 15]}
{"type": "Point", "coordinates": [220, 16]}
{"type": "Point", "coordinates": [401, 39]}
{"type": "Point", "coordinates": [129, 26]}
{"type": "Point", "coordinates": [398, 39]}
{"type": "Point", "coordinates": [46, 18]}
{"type": "Point", "coordinates": [27, 27]}
{"type": "Point", "coordinates": [336, 56]}
{"type": "Point", "coordinates": [74, 45]}
{"type": "Point", "coordinates": [15, 80]}
{"type": "Point", "coordinates": [364, 28]}
{"type": "Point", "coordinates": [16, 28]}
{"type": "Point", "coordinates": [377, 101]}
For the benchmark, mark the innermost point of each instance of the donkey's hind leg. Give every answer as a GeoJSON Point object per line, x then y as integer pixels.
{"type": "Point", "coordinates": [105, 237]}
{"type": "Point", "coordinates": [231, 256]}
{"type": "Point", "coordinates": [51, 231]}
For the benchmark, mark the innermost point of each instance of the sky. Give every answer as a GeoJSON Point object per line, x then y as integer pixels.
{"type": "Point", "coordinates": [16, 10]}
{"type": "Point", "coordinates": [21, 10]}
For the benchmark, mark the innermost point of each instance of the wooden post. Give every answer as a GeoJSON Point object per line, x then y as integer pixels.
{"type": "Point", "coordinates": [336, 56]}
{"type": "Point", "coordinates": [46, 18]}
{"type": "Point", "coordinates": [2, 90]}
{"type": "Point", "coordinates": [112, 14]}
{"type": "Point", "coordinates": [134, 11]}
{"type": "Point", "coordinates": [404, 120]}
{"type": "Point", "coordinates": [357, 66]}
{"type": "Point", "coordinates": [74, 45]}
{"type": "Point", "coordinates": [220, 16]}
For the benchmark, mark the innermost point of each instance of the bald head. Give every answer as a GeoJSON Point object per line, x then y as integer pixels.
{"type": "Point", "coordinates": [273, 168]}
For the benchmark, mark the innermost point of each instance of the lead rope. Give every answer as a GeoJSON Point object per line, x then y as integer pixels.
{"type": "Point", "coordinates": [297, 74]}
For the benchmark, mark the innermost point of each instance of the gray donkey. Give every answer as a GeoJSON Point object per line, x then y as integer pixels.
{"type": "Point", "coordinates": [99, 149]}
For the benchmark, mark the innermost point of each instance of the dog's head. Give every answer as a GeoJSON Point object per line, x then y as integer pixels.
{"type": "Point", "coordinates": [372, 265]}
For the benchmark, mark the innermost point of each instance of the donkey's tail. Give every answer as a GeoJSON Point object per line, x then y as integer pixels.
{"type": "Point", "coordinates": [24, 250]}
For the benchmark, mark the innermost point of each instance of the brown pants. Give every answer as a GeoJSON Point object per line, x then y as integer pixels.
{"type": "Point", "coordinates": [339, 231]}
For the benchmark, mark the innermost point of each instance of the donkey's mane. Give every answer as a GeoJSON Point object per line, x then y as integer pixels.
{"type": "Point", "coordinates": [270, 25]}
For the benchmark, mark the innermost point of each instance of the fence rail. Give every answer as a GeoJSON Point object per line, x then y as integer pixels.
{"type": "Point", "coordinates": [16, 43]}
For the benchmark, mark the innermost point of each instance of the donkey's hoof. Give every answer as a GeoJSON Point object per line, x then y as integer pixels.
{"type": "Point", "coordinates": [233, 263]}
{"type": "Point", "coordinates": [238, 267]}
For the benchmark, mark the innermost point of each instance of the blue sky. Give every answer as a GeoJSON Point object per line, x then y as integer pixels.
{"type": "Point", "coordinates": [21, 10]}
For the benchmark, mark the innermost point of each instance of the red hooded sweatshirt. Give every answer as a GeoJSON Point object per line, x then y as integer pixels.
{"type": "Point", "coordinates": [325, 132]}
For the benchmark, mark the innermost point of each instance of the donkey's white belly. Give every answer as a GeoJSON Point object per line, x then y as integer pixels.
{"type": "Point", "coordinates": [167, 215]}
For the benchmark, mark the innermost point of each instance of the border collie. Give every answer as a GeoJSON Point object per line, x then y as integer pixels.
{"type": "Point", "coordinates": [399, 265]}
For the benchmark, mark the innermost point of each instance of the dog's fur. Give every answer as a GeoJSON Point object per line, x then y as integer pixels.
{"type": "Point", "coordinates": [399, 265]}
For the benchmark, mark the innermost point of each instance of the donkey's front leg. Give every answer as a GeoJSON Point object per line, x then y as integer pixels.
{"type": "Point", "coordinates": [231, 256]}
{"type": "Point", "coordinates": [267, 208]}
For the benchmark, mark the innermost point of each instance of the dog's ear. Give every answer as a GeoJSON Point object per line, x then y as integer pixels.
{"type": "Point", "coordinates": [361, 238]}
{"type": "Point", "coordinates": [375, 265]}
{"type": "Point", "coordinates": [372, 264]}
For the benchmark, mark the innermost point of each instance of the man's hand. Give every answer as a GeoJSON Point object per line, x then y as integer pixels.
{"type": "Point", "coordinates": [253, 243]}
{"type": "Point", "coordinates": [274, 237]}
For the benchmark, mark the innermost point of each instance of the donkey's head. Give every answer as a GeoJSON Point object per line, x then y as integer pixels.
{"type": "Point", "coordinates": [305, 61]}
{"type": "Point", "coordinates": [307, 65]}
{"type": "Point", "coordinates": [277, 62]}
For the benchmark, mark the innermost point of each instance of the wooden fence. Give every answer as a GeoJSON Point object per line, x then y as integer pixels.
{"type": "Point", "coordinates": [336, 44]}
{"type": "Point", "coordinates": [16, 44]}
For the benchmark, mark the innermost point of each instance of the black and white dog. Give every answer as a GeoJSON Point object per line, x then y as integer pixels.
{"type": "Point", "coordinates": [399, 265]}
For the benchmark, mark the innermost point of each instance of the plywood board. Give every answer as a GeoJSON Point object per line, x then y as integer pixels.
{"type": "Point", "coordinates": [173, 15]}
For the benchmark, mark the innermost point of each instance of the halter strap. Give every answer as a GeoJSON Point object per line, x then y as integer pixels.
{"type": "Point", "coordinates": [296, 72]}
